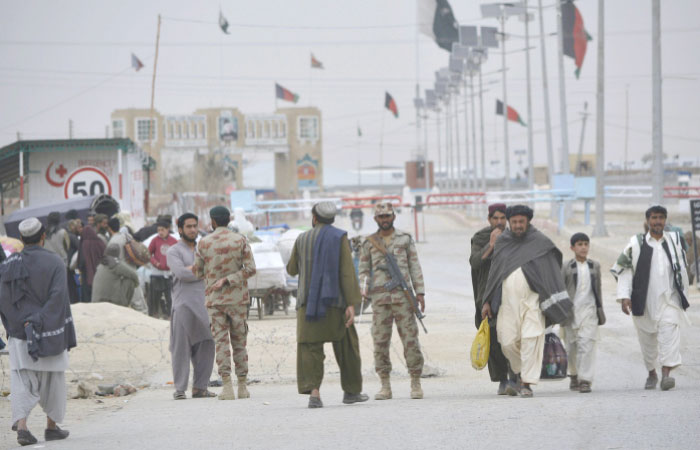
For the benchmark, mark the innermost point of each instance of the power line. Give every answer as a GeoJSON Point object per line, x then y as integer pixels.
{"type": "Point", "coordinates": [295, 27]}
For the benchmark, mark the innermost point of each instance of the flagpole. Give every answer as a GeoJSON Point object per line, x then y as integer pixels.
{"type": "Point", "coordinates": [562, 95]}
{"type": "Point", "coordinates": [152, 130]}
{"type": "Point", "coordinates": [359, 173]}
{"type": "Point", "coordinates": [599, 229]}
{"type": "Point", "coordinates": [473, 100]}
{"type": "Point", "coordinates": [381, 156]}
{"type": "Point", "coordinates": [481, 132]}
{"type": "Point", "coordinates": [458, 180]}
{"type": "Point", "coordinates": [657, 171]}
{"type": "Point", "coordinates": [506, 152]}
{"type": "Point", "coordinates": [545, 98]}
{"type": "Point", "coordinates": [467, 184]}
{"type": "Point", "coordinates": [310, 83]}
{"type": "Point", "coordinates": [439, 149]}
{"type": "Point", "coordinates": [530, 145]}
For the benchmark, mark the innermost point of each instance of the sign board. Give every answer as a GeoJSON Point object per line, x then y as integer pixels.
{"type": "Point", "coordinates": [86, 181]}
{"type": "Point", "coordinates": [695, 225]}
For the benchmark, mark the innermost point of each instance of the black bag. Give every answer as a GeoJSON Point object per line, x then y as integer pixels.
{"type": "Point", "coordinates": [554, 361]}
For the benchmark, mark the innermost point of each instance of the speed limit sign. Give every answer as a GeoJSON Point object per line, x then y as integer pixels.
{"type": "Point", "coordinates": [87, 181]}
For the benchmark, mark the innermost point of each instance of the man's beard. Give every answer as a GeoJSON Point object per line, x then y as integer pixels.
{"type": "Point", "coordinates": [184, 237]}
{"type": "Point", "coordinates": [386, 225]}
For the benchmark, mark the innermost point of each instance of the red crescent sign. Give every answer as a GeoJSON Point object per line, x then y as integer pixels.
{"type": "Point", "coordinates": [87, 181]}
{"type": "Point", "coordinates": [48, 177]}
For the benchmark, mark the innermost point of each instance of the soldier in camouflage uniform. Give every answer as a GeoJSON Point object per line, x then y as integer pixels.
{"type": "Point", "coordinates": [392, 306]}
{"type": "Point", "coordinates": [225, 262]}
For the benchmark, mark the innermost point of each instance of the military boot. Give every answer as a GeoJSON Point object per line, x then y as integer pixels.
{"type": "Point", "coordinates": [242, 388]}
{"type": "Point", "coordinates": [416, 390]}
{"type": "Point", "coordinates": [385, 392]}
{"type": "Point", "coordinates": [227, 391]}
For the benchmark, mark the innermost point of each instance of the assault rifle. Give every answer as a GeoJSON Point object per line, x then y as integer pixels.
{"type": "Point", "coordinates": [397, 280]}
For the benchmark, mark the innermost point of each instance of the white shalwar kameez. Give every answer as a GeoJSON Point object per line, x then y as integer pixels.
{"type": "Point", "coordinates": [32, 382]}
{"type": "Point", "coordinates": [581, 335]}
{"type": "Point", "coordinates": [658, 329]}
{"type": "Point", "coordinates": [520, 327]}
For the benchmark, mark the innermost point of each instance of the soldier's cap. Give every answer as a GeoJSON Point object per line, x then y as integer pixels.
{"type": "Point", "coordinates": [519, 210]}
{"type": "Point", "coordinates": [30, 227]}
{"type": "Point", "coordinates": [325, 210]}
{"type": "Point", "coordinates": [383, 208]}
{"type": "Point", "coordinates": [219, 211]}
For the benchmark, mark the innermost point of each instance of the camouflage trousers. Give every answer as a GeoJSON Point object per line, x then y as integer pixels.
{"type": "Point", "coordinates": [383, 318]}
{"type": "Point", "coordinates": [229, 329]}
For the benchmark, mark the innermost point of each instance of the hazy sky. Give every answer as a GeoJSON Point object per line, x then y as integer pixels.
{"type": "Point", "coordinates": [62, 60]}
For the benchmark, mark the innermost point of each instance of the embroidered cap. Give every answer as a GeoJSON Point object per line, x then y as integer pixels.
{"type": "Point", "coordinates": [29, 227]}
{"type": "Point", "coordinates": [325, 210]}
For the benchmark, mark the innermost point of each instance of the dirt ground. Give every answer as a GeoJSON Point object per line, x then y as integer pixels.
{"type": "Point", "coordinates": [460, 409]}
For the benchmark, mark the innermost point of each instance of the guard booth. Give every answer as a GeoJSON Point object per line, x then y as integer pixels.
{"type": "Point", "coordinates": [420, 174]}
{"type": "Point", "coordinates": [50, 172]}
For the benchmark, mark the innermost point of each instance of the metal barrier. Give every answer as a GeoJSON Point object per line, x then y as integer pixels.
{"type": "Point", "coordinates": [478, 198]}
{"type": "Point", "coordinates": [395, 200]}
{"type": "Point", "coordinates": [682, 192]}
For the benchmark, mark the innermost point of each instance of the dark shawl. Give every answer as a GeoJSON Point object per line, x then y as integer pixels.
{"type": "Point", "coordinates": [480, 268]}
{"type": "Point", "coordinates": [540, 261]}
{"type": "Point", "coordinates": [324, 289]}
{"type": "Point", "coordinates": [91, 250]}
{"type": "Point", "coordinates": [34, 290]}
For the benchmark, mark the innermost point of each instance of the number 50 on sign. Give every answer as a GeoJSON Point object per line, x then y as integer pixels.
{"type": "Point", "coordinates": [87, 181]}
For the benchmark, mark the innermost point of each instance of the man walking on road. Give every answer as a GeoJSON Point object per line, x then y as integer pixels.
{"type": "Point", "coordinates": [483, 244]}
{"type": "Point", "coordinates": [389, 306]}
{"type": "Point", "coordinates": [190, 334]}
{"type": "Point", "coordinates": [524, 287]}
{"type": "Point", "coordinates": [225, 262]}
{"type": "Point", "coordinates": [328, 293]}
{"type": "Point", "coordinates": [652, 283]}
{"type": "Point", "coordinates": [35, 310]}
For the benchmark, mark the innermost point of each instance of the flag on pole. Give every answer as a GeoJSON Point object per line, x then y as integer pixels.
{"type": "Point", "coordinates": [575, 35]}
{"type": "Point", "coordinates": [437, 21]}
{"type": "Point", "coordinates": [285, 94]}
{"type": "Point", "coordinates": [136, 63]}
{"type": "Point", "coordinates": [359, 131]}
{"type": "Point", "coordinates": [315, 63]}
{"type": "Point", "coordinates": [513, 115]}
{"type": "Point", "coordinates": [223, 23]}
{"type": "Point", "coordinates": [390, 104]}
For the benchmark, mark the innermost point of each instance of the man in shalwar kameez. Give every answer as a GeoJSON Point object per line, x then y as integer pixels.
{"type": "Point", "coordinates": [35, 310]}
{"type": "Point", "coordinates": [652, 283]}
{"type": "Point", "coordinates": [190, 334]}
{"type": "Point", "coordinates": [328, 294]}
{"type": "Point", "coordinates": [525, 291]}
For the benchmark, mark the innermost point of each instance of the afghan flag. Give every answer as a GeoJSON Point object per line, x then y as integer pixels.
{"type": "Point", "coordinates": [437, 21]}
{"type": "Point", "coordinates": [513, 115]}
{"type": "Point", "coordinates": [136, 63]}
{"type": "Point", "coordinates": [223, 23]}
{"type": "Point", "coordinates": [575, 36]}
{"type": "Point", "coordinates": [315, 63]}
{"type": "Point", "coordinates": [390, 104]}
{"type": "Point", "coordinates": [285, 94]}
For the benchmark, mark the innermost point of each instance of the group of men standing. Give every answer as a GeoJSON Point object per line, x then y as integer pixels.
{"type": "Point", "coordinates": [522, 287]}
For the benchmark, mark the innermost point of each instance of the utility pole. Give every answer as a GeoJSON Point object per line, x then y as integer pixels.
{"type": "Point", "coordinates": [458, 181]}
{"type": "Point", "coordinates": [506, 154]}
{"type": "Point", "coordinates": [439, 149]}
{"type": "Point", "coordinates": [530, 149]}
{"type": "Point", "coordinates": [580, 144]}
{"type": "Point", "coordinates": [473, 98]}
{"type": "Point", "coordinates": [562, 96]}
{"type": "Point", "coordinates": [656, 100]}
{"type": "Point", "coordinates": [70, 128]}
{"type": "Point", "coordinates": [466, 132]}
{"type": "Point", "coordinates": [151, 126]}
{"type": "Point", "coordinates": [599, 229]}
{"type": "Point", "coordinates": [481, 132]}
{"type": "Point", "coordinates": [627, 124]}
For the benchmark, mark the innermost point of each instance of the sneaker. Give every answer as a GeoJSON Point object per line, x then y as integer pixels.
{"type": "Point", "coordinates": [55, 434]}
{"type": "Point", "coordinates": [349, 399]}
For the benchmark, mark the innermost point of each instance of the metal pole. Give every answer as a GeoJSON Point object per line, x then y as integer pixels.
{"type": "Point", "coordinates": [599, 229]}
{"type": "Point", "coordinates": [467, 183]}
{"type": "Point", "coordinates": [481, 134]}
{"type": "Point", "coordinates": [428, 174]}
{"type": "Point", "coordinates": [656, 100]}
{"type": "Point", "coordinates": [21, 179]}
{"type": "Point", "coordinates": [545, 96]}
{"type": "Point", "coordinates": [562, 96]}
{"type": "Point", "coordinates": [580, 144]}
{"type": "Point", "coordinates": [448, 145]}
{"type": "Point", "coordinates": [458, 180]}
{"type": "Point", "coordinates": [473, 100]}
{"type": "Point", "coordinates": [530, 149]}
{"type": "Point", "coordinates": [506, 153]}
{"type": "Point", "coordinates": [439, 150]}
{"type": "Point", "coordinates": [627, 130]}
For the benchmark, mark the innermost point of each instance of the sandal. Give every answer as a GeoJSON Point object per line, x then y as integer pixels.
{"type": "Point", "coordinates": [179, 395]}
{"type": "Point", "coordinates": [202, 393]}
{"type": "Point", "coordinates": [525, 391]}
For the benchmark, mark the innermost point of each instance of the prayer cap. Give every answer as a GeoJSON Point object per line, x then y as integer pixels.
{"type": "Point", "coordinates": [219, 211]}
{"type": "Point", "coordinates": [497, 207]}
{"type": "Point", "coordinates": [519, 210]}
{"type": "Point", "coordinates": [383, 208]}
{"type": "Point", "coordinates": [29, 227]}
{"type": "Point", "coordinates": [325, 210]}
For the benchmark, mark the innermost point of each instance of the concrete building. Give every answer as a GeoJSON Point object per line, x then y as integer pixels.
{"type": "Point", "coordinates": [215, 149]}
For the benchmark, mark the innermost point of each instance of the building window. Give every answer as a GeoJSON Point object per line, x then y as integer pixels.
{"type": "Point", "coordinates": [283, 129]}
{"type": "Point", "coordinates": [202, 131]}
{"type": "Point", "coordinates": [250, 129]}
{"type": "Point", "coordinates": [170, 130]}
{"type": "Point", "coordinates": [118, 129]}
{"type": "Point", "coordinates": [308, 128]}
{"type": "Point", "coordinates": [195, 130]}
{"type": "Point", "coordinates": [275, 129]}
{"type": "Point", "coordinates": [186, 130]}
{"type": "Point", "coordinates": [144, 130]}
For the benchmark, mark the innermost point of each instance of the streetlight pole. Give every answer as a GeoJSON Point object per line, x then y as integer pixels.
{"type": "Point", "coordinates": [506, 154]}
{"type": "Point", "coordinates": [599, 229]}
{"type": "Point", "coordinates": [656, 100]}
{"type": "Point", "coordinates": [545, 96]}
{"type": "Point", "coordinates": [530, 155]}
{"type": "Point", "coordinates": [562, 96]}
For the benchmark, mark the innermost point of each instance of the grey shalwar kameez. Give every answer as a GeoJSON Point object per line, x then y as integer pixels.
{"type": "Point", "coordinates": [190, 333]}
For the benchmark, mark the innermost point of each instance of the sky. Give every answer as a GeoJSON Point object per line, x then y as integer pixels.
{"type": "Point", "coordinates": [70, 60]}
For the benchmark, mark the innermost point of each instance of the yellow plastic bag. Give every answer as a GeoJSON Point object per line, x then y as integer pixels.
{"type": "Point", "coordinates": [481, 346]}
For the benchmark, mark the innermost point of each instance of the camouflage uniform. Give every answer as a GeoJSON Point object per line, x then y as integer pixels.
{"type": "Point", "coordinates": [393, 306]}
{"type": "Point", "coordinates": [225, 254]}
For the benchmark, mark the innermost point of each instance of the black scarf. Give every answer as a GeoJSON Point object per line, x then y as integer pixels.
{"type": "Point", "coordinates": [640, 281]}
